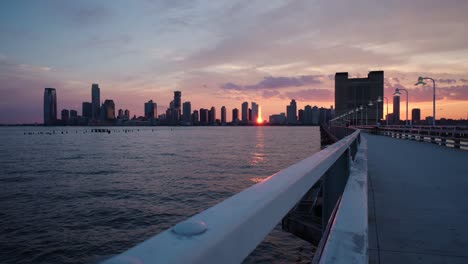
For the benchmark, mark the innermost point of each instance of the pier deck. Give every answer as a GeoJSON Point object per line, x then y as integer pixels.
{"type": "Point", "coordinates": [418, 202]}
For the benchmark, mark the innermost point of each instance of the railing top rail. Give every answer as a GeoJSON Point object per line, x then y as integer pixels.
{"type": "Point", "coordinates": [230, 230]}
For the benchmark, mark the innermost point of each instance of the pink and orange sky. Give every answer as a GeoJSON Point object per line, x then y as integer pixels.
{"type": "Point", "coordinates": [226, 52]}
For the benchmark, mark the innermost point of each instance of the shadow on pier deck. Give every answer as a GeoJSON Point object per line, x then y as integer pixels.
{"type": "Point", "coordinates": [418, 202]}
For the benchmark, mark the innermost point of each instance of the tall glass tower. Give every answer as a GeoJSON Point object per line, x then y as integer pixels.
{"type": "Point", "coordinates": [95, 100]}
{"type": "Point", "coordinates": [50, 106]}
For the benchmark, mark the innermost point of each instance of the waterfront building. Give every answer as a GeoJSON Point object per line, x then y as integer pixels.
{"type": "Point", "coordinates": [203, 116]}
{"type": "Point", "coordinates": [301, 116]}
{"type": "Point", "coordinates": [315, 115]}
{"type": "Point", "coordinates": [351, 93]}
{"type": "Point", "coordinates": [65, 116]}
{"type": "Point", "coordinates": [250, 114]}
{"type": "Point", "coordinates": [223, 115]}
{"type": "Point", "coordinates": [73, 113]}
{"type": "Point", "coordinates": [50, 106]}
{"type": "Point", "coordinates": [245, 112]}
{"type": "Point", "coordinates": [151, 109]}
{"type": "Point", "coordinates": [187, 111]}
{"type": "Point", "coordinates": [195, 118]}
{"type": "Point", "coordinates": [396, 110]}
{"type": "Point", "coordinates": [127, 114]}
{"type": "Point", "coordinates": [235, 115]}
{"type": "Point", "coordinates": [277, 119]}
{"type": "Point", "coordinates": [95, 100]}
{"type": "Point", "coordinates": [415, 116]}
{"type": "Point", "coordinates": [212, 116]}
{"type": "Point", "coordinates": [120, 114]}
{"type": "Point", "coordinates": [177, 105]}
{"type": "Point", "coordinates": [308, 120]}
{"type": "Point", "coordinates": [254, 116]}
{"type": "Point", "coordinates": [291, 112]}
{"type": "Point", "coordinates": [87, 110]}
{"type": "Point", "coordinates": [109, 110]}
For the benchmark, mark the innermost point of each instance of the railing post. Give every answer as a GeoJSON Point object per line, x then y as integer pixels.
{"type": "Point", "coordinates": [334, 182]}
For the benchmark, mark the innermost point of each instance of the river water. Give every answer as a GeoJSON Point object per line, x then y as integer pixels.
{"type": "Point", "coordinates": [80, 197]}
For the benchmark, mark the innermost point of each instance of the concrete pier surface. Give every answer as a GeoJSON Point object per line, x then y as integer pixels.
{"type": "Point", "coordinates": [418, 202]}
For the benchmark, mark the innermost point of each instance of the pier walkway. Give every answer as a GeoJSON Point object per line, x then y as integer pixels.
{"type": "Point", "coordinates": [418, 202]}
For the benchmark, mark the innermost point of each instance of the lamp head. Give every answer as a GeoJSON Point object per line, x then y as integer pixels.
{"type": "Point", "coordinates": [370, 103]}
{"type": "Point", "coordinates": [361, 107]}
{"type": "Point", "coordinates": [397, 92]}
{"type": "Point", "coordinates": [357, 109]}
{"type": "Point", "coordinates": [420, 81]}
{"type": "Point", "coordinates": [379, 99]}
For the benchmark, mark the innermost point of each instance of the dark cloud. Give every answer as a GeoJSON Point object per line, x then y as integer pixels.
{"type": "Point", "coordinates": [449, 81]}
{"type": "Point", "coordinates": [276, 83]}
{"type": "Point", "coordinates": [271, 93]}
{"type": "Point", "coordinates": [311, 95]}
{"type": "Point", "coordinates": [464, 80]}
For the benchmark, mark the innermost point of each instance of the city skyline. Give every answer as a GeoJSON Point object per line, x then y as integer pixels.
{"type": "Point", "coordinates": [228, 52]}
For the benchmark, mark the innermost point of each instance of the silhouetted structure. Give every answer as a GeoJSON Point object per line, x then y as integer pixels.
{"type": "Point", "coordinates": [212, 116]}
{"type": "Point", "coordinates": [396, 110]}
{"type": "Point", "coordinates": [254, 117]}
{"type": "Point", "coordinates": [308, 115]}
{"type": "Point", "coordinates": [151, 109]}
{"type": "Point", "coordinates": [108, 109]}
{"type": "Point", "coordinates": [195, 118]}
{"type": "Point", "coordinates": [65, 116]}
{"type": "Point", "coordinates": [223, 115]}
{"type": "Point", "coordinates": [245, 112]}
{"type": "Point", "coordinates": [203, 116]}
{"type": "Point", "coordinates": [50, 106]}
{"type": "Point", "coordinates": [87, 110]}
{"type": "Point", "coordinates": [235, 115]}
{"type": "Point", "coordinates": [95, 100]}
{"type": "Point", "coordinates": [415, 116]}
{"type": "Point", "coordinates": [354, 92]}
{"type": "Point", "coordinates": [186, 116]}
{"type": "Point", "coordinates": [291, 112]}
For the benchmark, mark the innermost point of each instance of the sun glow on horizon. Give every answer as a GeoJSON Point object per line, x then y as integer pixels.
{"type": "Point", "coordinates": [259, 118]}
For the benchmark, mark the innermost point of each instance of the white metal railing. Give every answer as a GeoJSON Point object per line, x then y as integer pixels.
{"type": "Point", "coordinates": [229, 231]}
{"type": "Point", "coordinates": [347, 241]}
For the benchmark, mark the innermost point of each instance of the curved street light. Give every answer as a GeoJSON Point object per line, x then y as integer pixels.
{"type": "Point", "coordinates": [398, 93]}
{"type": "Point", "coordinates": [421, 81]}
{"type": "Point", "coordinates": [371, 103]}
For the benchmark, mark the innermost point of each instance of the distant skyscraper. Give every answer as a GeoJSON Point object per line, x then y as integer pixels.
{"type": "Point", "coordinates": [203, 116]}
{"type": "Point", "coordinates": [223, 115]}
{"type": "Point", "coordinates": [187, 113]}
{"type": "Point", "coordinates": [396, 109]}
{"type": "Point", "coordinates": [177, 107]}
{"type": "Point", "coordinates": [235, 115]}
{"type": "Point", "coordinates": [416, 116]}
{"type": "Point", "coordinates": [250, 114]}
{"type": "Point", "coordinates": [87, 110]}
{"type": "Point", "coordinates": [315, 115]}
{"type": "Point", "coordinates": [352, 93]}
{"type": "Point", "coordinates": [254, 112]}
{"type": "Point", "coordinates": [151, 109]}
{"type": "Point", "coordinates": [73, 114]}
{"type": "Point", "coordinates": [109, 110]}
{"type": "Point", "coordinates": [291, 112]}
{"type": "Point", "coordinates": [50, 106]}
{"type": "Point", "coordinates": [121, 114]}
{"type": "Point", "coordinates": [212, 116]}
{"type": "Point", "coordinates": [95, 100]}
{"type": "Point", "coordinates": [127, 114]}
{"type": "Point", "coordinates": [245, 112]}
{"type": "Point", "coordinates": [65, 116]}
{"type": "Point", "coordinates": [195, 117]}
{"type": "Point", "coordinates": [301, 116]}
{"type": "Point", "coordinates": [308, 120]}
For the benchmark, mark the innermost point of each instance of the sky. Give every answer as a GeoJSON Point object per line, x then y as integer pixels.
{"type": "Point", "coordinates": [226, 52]}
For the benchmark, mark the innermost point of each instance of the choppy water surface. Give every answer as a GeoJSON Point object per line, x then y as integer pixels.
{"type": "Point", "coordinates": [79, 197]}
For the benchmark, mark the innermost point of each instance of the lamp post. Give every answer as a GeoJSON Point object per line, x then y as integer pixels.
{"type": "Point", "coordinates": [361, 108]}
{"type": "Point", "coordinates": [421, 81]}
{"type": "Point", "coordinates": [387, 110]}
{"type": "Point", "coordinates": [398, 93]}
{"type": "Point", "coordinates": [371, 103]}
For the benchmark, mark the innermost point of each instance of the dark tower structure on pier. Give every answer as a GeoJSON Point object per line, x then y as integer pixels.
{"type": "Point", "coordinates": [95, 100]}
{"type": "Point", "coordinates": [351, 93]}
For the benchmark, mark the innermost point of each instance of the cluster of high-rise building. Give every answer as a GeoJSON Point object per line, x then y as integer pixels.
{"type": "Point", "coordinates": [307, 116]}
